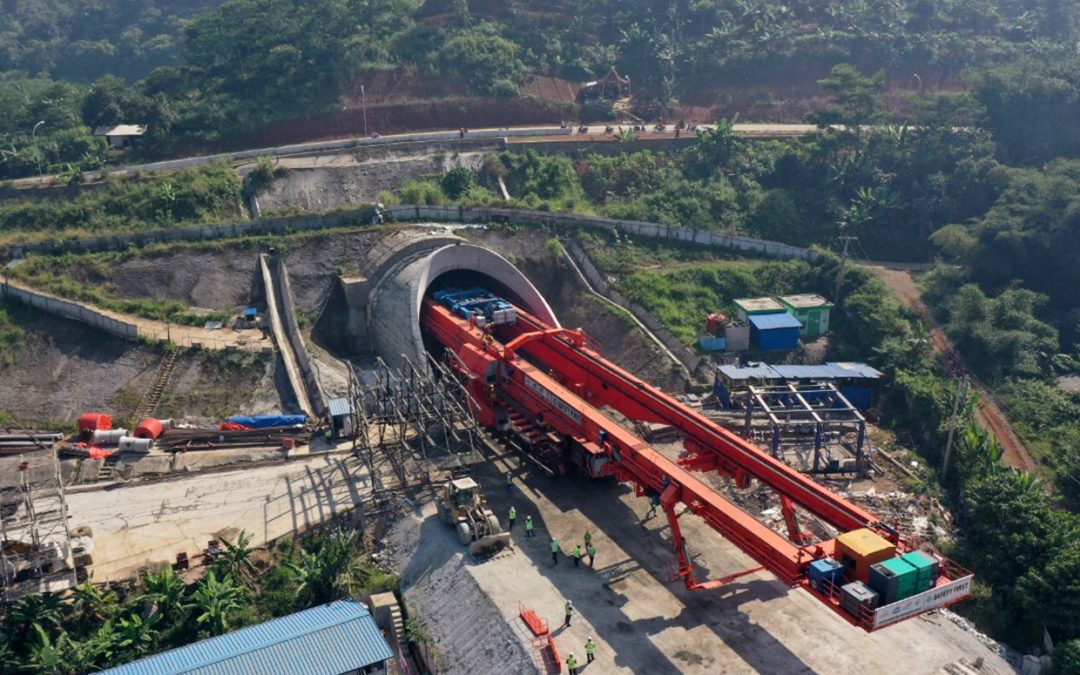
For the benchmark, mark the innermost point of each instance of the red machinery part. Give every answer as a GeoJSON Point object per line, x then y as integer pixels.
{"type": "Point", "coordinates": [89, 422]}
{"type": "Point", "coordinates": [560, 386]}
{"type": "Point", "coordinates": [149, 428]}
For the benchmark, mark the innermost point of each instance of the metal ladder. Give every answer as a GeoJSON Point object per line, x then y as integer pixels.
{"type": "Point", "coordinates": [150, 400]}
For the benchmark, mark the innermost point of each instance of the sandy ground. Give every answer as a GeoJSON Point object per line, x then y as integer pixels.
{"type": "Point", "coordinates": [642, 623]}
{"type": "Point", "coordinates": [144, 523]}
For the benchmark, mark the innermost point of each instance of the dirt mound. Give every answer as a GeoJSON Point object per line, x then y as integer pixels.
{"type": "Point", "coordinates": [65, 368]}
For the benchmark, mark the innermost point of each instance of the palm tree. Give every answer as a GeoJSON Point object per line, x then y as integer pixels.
{"type": "Point", "coordinates": [46, 657]}
{"type": "Point", "coordinates": [136, 635]}
{"type": "Point", "coordinates": [236, 558]}
{"type": "Point", "coordinates": [215, 600]}
{"type": "Point", "coordinates": [37, 611]}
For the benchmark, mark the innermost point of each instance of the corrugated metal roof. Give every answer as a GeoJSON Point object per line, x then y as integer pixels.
{"type": "Point", "coordinates": [827, 371]}
{"type": "Point", "coordinates": [121, 130]}
{"type": "Point", "coordinates": [339, 407]}
{"type": "Point", "coordinates": [773, 321]}
{"type": "Point", "coordinates": [326, 640]}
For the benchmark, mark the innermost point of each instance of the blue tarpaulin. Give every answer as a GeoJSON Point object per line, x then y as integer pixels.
{"type": "Point", "coordinates": [265, 421]}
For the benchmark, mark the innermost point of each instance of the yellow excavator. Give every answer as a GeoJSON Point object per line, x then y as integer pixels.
{"type": "Point", "coordinates": [462, 506]}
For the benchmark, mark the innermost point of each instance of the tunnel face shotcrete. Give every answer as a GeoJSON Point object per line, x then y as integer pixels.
{"type": "Point", "coordinates": [397, 292]}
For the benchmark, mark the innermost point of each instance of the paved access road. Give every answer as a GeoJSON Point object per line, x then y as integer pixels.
{"type": "Point", "coordinates": [525, 133]}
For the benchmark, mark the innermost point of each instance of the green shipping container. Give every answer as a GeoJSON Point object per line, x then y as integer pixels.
{"type": "Point", "coordinates": [926, 568]}
{"type": "Point", "coordinates": [907, 577]}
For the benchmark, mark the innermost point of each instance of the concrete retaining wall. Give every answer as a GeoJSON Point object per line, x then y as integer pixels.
{"type": "Point", "coordinates": [277, 325]}
{"type": "Point", "coordinates": [71, 310]}
{"type": "Point", "coordinates": [283, 290]}
{"type": "Point", "coordinates": [569, 221]}
{"type": "Point", "coordinates": [304, 223]}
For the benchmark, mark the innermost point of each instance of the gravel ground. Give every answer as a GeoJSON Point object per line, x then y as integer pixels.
{"type": "Point", "coordinates": [469, 633]}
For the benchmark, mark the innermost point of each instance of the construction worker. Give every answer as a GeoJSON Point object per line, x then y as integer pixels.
{"type": "Point", "coordinates": [591, 551]}
{"type": "Point", "coordinates": [577, 555]}
{"type": "Point", "coordinates": [529, 532]}
{"type": "Point", "coordinates": [588, 538]}
{"type": "Point", "coordinates": [654, 501]}
{"type": "Point", "coordinates": [571, 665]}
{"type": "Point", "coordinates": [512, 517]}
{"type": "Point", "coordinates": [590, 650]}
{"type": "Point", "coordinates": [509, 483]}
{"type": "Point", "coordinates": [569, 613]}
{"type": "Point", "coordinates": [554, 551]}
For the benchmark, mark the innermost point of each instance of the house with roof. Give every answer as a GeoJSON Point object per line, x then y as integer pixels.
{"type": "Point", "coordinates": [334, 639]}
{"type": "Point", "coordinates": [611, 85]}
{"type": "Point", "coordinates": [122, 135]}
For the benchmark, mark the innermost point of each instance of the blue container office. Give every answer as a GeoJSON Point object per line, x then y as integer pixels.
{"type": "Point", "coordinates": [774, 332]}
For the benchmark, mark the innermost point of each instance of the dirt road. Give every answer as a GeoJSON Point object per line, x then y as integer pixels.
{"type": "Point", "coordinates": [988, 414]}
{"type": "Point", "coordinates": [184, 336]}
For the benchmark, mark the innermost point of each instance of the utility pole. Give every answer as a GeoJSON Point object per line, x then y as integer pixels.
{"type": "Point", "coordinates": [847, 239]}
{"type": "Point", "coordinates": [37, 155]}
{"type": "Point", "coordinates": [961, 393]}
{"type": "Point", "coordinates": [363, 104]}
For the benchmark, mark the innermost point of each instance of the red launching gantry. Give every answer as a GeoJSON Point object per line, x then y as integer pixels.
{"type": "Point", "coordinates": [548, 386]}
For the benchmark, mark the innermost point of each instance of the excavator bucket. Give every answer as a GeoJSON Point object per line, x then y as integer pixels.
{"type": "Point", "coordinates": [485, 547]}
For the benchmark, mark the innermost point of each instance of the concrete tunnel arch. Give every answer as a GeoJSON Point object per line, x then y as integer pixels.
{"type": "Point", "coordinates": [397, 298]}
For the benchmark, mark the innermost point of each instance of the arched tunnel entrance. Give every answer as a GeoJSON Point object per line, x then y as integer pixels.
{"type": "Point", "coordinates": [397, 297]}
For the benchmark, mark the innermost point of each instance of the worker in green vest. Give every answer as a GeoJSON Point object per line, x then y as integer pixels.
{"type": "Point", "coordinates": [554, 551]}
{"type": "Point", "coordinates": [590, 650]}
{"type": "Point", "coordinates": [571, 665]}
{"type": "Point", "coordinates": [569, 614]}
{"type": "Point", "coordinates": [509, 482]}
{"type": "Point", "coordinates": [577, 555]}
{"type": "Point", "coordinates": [591, 550]}
{"type": "Point", "coordinates": [588, 538]}
{"type": "Point", "coordinates": [512, 517]}
{"type": "Point", "coordinates": [529, 527]}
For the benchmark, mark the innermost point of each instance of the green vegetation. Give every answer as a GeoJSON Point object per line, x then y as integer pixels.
{"type": "Point", "coordinates": [205, 194]}
{"type": "Point", "coordinates": [100, 627]}
{"type": "Point", "coordinates": [11, 335]}
{"type": "Point", "coordinates": [41, 273]}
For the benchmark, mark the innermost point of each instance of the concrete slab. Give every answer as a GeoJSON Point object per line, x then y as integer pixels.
{"type": "Point", "coordinates": [644, 623]}
{"type": "Point", "coordinates": [139, 524]}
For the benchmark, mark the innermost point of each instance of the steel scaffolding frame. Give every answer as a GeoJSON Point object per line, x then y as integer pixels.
{"type": "Point", "coordinates": [418, 419]}
{"type": "Point", "coordinates": [36, 551]}
{"type": "Point", "coordinates": [798, 412]}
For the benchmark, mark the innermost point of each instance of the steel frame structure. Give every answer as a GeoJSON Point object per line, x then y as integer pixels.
{"type": "Point", "coordinates": [819, 408]}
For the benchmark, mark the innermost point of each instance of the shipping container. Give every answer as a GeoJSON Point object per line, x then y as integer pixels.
{"type": "Point", "coordinates": [893, 580]}
{"type": "Point", "coordinates": [856, 595]}
{"type": "Point", "coordinates": [859, 549]}
{"type": "Point", "coordinates": [774, 332]}
{"type": "Point", "coordinates": [824, 570]}
{"type": "Point", "coordinates": [927, 567]}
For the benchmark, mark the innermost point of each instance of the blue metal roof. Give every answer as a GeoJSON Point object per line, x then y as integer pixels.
{"type": "Point", "coordinates": [775, 321]}
{"type": "Point", "coordinates": [827, 371]}
{"type": "Point", "coordinates": [339, 407]}
{"type": "Point", "coordinates": [325, 640]}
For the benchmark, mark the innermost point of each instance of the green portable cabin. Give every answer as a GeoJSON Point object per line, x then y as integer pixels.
{"type": "Point", "coordinates": [748, 307]}
{"type": "Point", "coordinates": [812, 311]}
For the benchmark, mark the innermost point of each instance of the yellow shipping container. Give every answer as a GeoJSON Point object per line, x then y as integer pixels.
{"type": "Point", "coordinates": [859, 549]}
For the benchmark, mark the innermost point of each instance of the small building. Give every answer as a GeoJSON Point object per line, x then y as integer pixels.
{"type": "Point", "coordinates": [342, 418]}
{"type": "Point", "coordinates": [122, 135]}
{"type": "Point", "coordinates": [611, 85]}
{"type": "Point", "coordinates": [774, 332]}
{"type": "Point", "coordinates": [747, 307]}
{"type": "Point", "coordinates": [811, 309]}
{"type": "Point", "coordinates": [333, 639]}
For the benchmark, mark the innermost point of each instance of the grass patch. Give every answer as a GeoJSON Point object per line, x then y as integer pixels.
{"type": "Point", "coordinates": [12, 336]}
